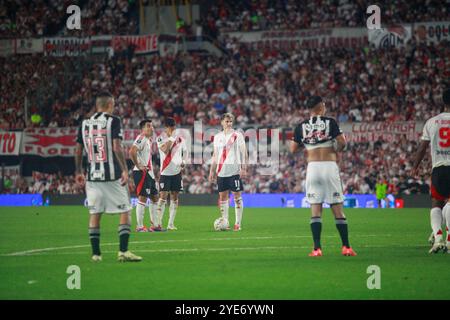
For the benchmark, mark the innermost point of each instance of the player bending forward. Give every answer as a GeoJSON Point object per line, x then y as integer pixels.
{"type": "Point", "coordinates": [172, 154]}
{"type": "Point", "coordinates": [106, 189]}
{"type": "Point", "coordinates": [229, 163]}
{"type": "Point", "coordinates": [322, 138]}
{"type": "Point", "coordinates": [436, 133]}
{"type": "Point", "coordinates": [144, 177]}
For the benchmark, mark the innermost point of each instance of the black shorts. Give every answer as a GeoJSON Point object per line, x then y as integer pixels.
{"type": "Point", "coordinates": [233, 183]}
{"type": "Point", "coordinates": [440, 183]}
{"type": "Point", "coordinates": [171, 183]}
{"type": "Point", "coordinates": [145, 185]}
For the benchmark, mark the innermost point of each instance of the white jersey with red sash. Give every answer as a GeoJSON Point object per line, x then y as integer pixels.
{"type": "Point", "coordinates": [170, 163]}
{"type": "Point", "coordinates": [144, 153]}
{"type": "Point", "coordinates": [228, 156]}
{"type": "Point", "coordinates": [437, 131]}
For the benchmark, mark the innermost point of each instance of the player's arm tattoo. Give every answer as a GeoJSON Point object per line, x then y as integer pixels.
{"type": "Point", "coordinates": [294, 147]}
{"type": "Point", "coordinates": [341, 143]}
{"type": "Point", "coordinates": [78, 159]}
{"type": "Point", "coordinates": [133, 155]}
{"type": "Point", "coordinates": [118, 151]}
{"type": "Point", "coordinates": [420, 153]}
{"type": "Point", "coordinates": [166, 147]}
{"type": "Point", "coordinates": [213, 163]}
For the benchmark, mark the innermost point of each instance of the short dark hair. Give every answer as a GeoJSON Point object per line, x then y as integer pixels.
{"type": "Point", "coordinates": [104, 94]}
{"type": "Point", "coordinates": [143, 122]}
{"type": "Point", "coordinates": [103, 98]}
{"type": "Point", "coordinates": [169, 122]}
{"type": "Point", "coordinates": [227, 115]}
{"type": "Point", "coordinates": [446, 96]}
{"type": "Point", "coordinates": [313, 101]}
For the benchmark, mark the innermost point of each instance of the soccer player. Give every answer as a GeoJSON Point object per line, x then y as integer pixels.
{"type": "Point", "coordinates": [322, 138]}
{"type": "Point", "coordinates": [436, 133]}
{"type": "Point", "coordinates": [172, 153]}
{"type": "Point", "coordinates": [106, 189]}
{"type": "Point", "coordinates": [229, 164]}
{"type": "Point", "coordinates": [143, 175]}
{"type": "Point", "coordinates": [445, 213]}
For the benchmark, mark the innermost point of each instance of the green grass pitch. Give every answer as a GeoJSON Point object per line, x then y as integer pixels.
{"type": "Point", "coordinates": [268, 259]}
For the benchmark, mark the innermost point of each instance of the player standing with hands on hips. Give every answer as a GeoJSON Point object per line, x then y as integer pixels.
{"type": "Point", "coordinates": [229, 163]}
{"type": "Point", "coordinates": [436, 133]}
{"type": "Point", "coordinates": [172, 154]}
{"type": "Point", "coordinates": [107, 186]}
{"type": "Point", "coordinates": [144, 177]}
{"type": "Point", "coordinates": [322, 138]}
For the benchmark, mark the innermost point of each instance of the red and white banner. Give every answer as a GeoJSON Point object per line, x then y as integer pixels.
{"type": "Point", "coordinates": [10, 143]}
{"type": "Point", "coordinates": [432, 32]}
{"type": "Point", "coordinates": [385, 131]}
{"type": "Point", "coordinates": [49, 142]}
{"type": "Point", "coordinates": [29, 45]}
{"type": "Point", "coordinates": [308, 38]}
{"type": "Point", "coordinates": [60, 47]}
{"type": "Point", "coordinates": [100, 44]}
{"type": "Point", "coordinates": [374, 131]}
{"type": "Point", "coordinates": [142, 44]}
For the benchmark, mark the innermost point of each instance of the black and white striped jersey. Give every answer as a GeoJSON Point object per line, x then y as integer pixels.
{"type": "Point", "coordinates": [317, 132]}
{"type": "Point", "coordinates": [97, 134]}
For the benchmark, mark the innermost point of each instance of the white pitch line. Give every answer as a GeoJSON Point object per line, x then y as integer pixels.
{"type": "Point", "coordinates": [231, 249]}
{"type": "Point", "coordinates": [37, 251]}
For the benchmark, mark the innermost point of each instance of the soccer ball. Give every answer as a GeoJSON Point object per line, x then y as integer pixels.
{"type": "Point", "coordinates": [220, 224]}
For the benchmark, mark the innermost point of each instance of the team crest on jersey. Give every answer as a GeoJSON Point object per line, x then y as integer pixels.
{"type": "Point", "coordinates": [148, 191]}
{"type": "Point", "coordinates": [161, 184]}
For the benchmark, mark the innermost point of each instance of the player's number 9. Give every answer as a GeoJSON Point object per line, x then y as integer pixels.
{"type": "Point", "coordinates": [444, 135]}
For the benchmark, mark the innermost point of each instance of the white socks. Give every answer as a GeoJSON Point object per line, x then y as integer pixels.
{"type": "Point", "coordinates": [446, 216]}
{"type": "Point", "coordinates": [140, 210]}
{"type": "Point", "coordinates": [153, 213]}
{"type": "Point", "coordinates": [238, 208]}
{"type": "Point", "coordinates": [172, 211]}
{"type": "Point", "coordinates": [224, 205]}
{"type": "Point", "coordinates": [160, 211]}
{"type": "Point", "coordinates": [436, 222]}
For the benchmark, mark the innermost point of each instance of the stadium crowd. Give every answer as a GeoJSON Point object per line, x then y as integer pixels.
{"type": "Point", "coordinates": [38, 18]}
{"type": "Point", "coordinates": [266, 88]}
{"type": "Point", "coordinates": [260, 87]}
{"type": "Point", "coordinates": [258, 15]}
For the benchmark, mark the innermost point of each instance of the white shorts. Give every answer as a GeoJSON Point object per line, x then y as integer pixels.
{"type": "Point", "coordinates": [108, 197]}
{"type": "Point", "coordinates": [323, 183]}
